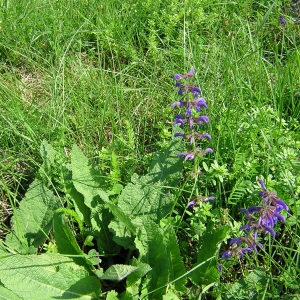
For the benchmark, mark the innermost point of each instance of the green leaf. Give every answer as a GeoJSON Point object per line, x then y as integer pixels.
{"type": "Point", "coordinates": [253, 286]}
{"type": "Point", "coordinates": [121, 235]}
{"type": "Point", "coordinates": [118, 272]}
{"type": "Point", "coordinates": [65, 240]}
{"type": "Point", "coordinates": [90, 183]}
{"type": "Point", "coordinates": [166, 167]}
{"type": "Point", "coordinates": [78, 201]}
{"type": "Point", "coordinates": [141, 270]}
{"type": "Point", "coordinates": [33, 219]}
{"type": "Point", "coordinates": [177, 268]}
{"type": "Point", "coordinates": [6, 294]}
{"type": "Point", "coordinates": [170, 295]}
{"type": "Point", "coordinates": [112, 295]}
{"type": "Point", "coordinates": [48, 155]}
{"type": "Point", "coordinates": [156, 256]}
{"type": "Point", "coordinates": [159, 249]}
{"type": "Point", "coordinates": [101, 218]}
{"type": "Point", "coordinates": [207, 256]}
{"type": "Point", "coordinates": [122, 227]}
{"type": "Point", "coordinates": [93, 257]}
{"type": "Point", "coordinates": [121, 217]}
{"type": "Point", "coordinates": [147, 196]}
{"type": "Point", "coordinates": [86, 179]}
{"type": "Point", "coordinates": [45, 276]}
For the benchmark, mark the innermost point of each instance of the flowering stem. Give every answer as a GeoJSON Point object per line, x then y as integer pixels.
{"type": "Point", "coordinates": [190, 122]}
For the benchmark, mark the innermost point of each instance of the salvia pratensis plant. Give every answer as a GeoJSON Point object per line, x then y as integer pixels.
{"type": "Point", "coordinates": [260, 221]}
{"type": "Point", "coordinates": [191, 121]}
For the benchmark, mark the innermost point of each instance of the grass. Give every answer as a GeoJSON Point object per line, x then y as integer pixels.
{"type": "Point", "coordinates": [100, 75]}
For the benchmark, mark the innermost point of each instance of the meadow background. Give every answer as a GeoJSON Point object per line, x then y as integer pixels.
{"type": "Point", "coordinates": [99, 74]}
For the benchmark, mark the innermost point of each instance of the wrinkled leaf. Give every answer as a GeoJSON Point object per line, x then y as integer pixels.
{"type": "Point", "coordinates": [118, 272]}
{"type": "Point", "coordinates": [147, 196]}
{"type": "Point", "coordinates": [46, 276]}
{"type": "Point", "coordinates": [32, 221]}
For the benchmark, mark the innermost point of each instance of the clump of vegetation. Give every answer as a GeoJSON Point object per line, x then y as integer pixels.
{"type": "Point", "coordinates": [103, 195]}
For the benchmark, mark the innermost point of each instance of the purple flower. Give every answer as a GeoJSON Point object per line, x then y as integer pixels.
{"type": "Point", "coordinates": [203, 136]}
{"type": "Point", "coordinates": [209, 199]}
{"type": "Point", "coordinates": [187, 155]}
{"type": "Point", "coordinates": [201, 119]}
{"type": "Point", "coordinates": [208, 150]}
{"type": "Point", "coordinates": [191, 203]}
{"type": "Point", "coordinates": [178, 103]}
{"type": "Point", "coordinates": [179, 119]}
{"type": "Point", "coordinates": [177, 77]}
{"type": "Point", "coordinates": [260, 219]}
{"type": "Point", "coordinates": [282, 20]}
{"type": "Point", "coordinates": [226, 254]}
{"type": "Point", "coordinates": [191, 73]}
{"type": "Point", "coordinates": [199, 103]}
{"type": "Point", "coordinates": [198, 199]}
{"type": "Point", "coordinates": [262, 185]}
{"type": "Point", "coordinates": [192, 136]}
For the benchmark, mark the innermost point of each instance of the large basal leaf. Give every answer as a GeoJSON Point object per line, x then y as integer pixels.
{"type": "Point", "coordinates": [82, 210]}
{"type": "Point", "coordinates": [153, 247]}
{"type": "Point", "coordinates": [147, 196]}
{"type": "Point", "coordinates": [46, 276]}
{"type": "Point", "coordinates": [159, 249]}
{"type": "Point", "coordinates": [166, 167]}
{"type": "Point", "coordinates": [33, 219]}
{"type": "Point", "coordinates": [207, 272]}
{"type": "Point", "coordinates": [65, 240]}
{"type": "Point", "coordinates": [177, 268]}
{"type": "Point", "coordinates": [86, 179]}
{"type": "Point", "coordinates": [91, 184]}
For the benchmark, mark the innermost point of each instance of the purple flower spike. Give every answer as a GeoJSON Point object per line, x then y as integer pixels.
{"type": "Point", "coordinates": [260, 220]}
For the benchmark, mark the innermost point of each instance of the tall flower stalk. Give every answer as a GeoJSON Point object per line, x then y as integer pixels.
{"type": "Point", "coordinates": [191, 121]}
